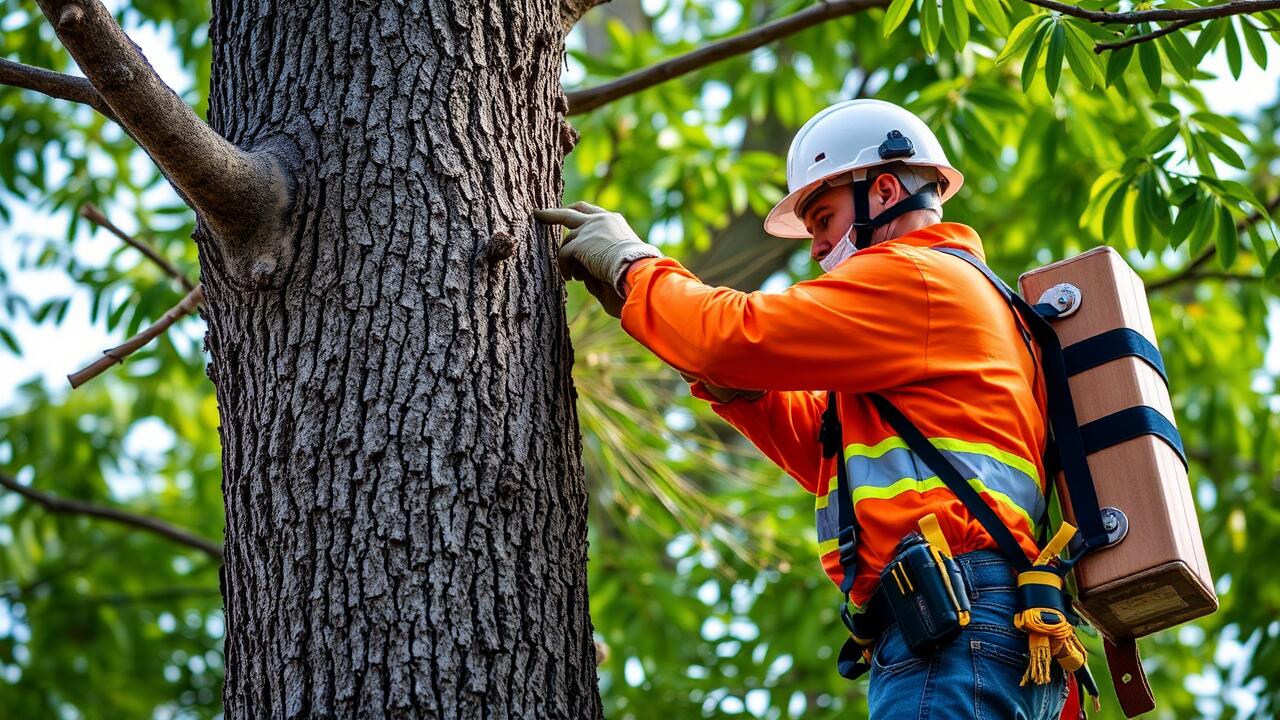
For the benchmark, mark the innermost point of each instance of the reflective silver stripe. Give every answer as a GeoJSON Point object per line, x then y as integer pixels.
{"type": "Point", "coordinates": [886, 470]}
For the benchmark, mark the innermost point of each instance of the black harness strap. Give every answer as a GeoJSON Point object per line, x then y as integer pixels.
{"type": "Point", "coordinates": [1062, 412]}
{"type": "Point", "coordinates": [954, 481]}
{"type": "Point", "coordinates": [831, 435]}
{"type": "Point", "coordinates": [1112, 345]}
{"type": "Point", "coordinates": [1128, 424]}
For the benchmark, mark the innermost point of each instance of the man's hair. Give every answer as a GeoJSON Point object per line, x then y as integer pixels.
{"type": "Point", "coordinates": [911, 177]}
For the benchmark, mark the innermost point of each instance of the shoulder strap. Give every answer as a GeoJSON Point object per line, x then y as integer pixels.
{"type": "Point", "coordinates": [832, 437]}
{"type": "Point", "coordinates": [1062, 411]}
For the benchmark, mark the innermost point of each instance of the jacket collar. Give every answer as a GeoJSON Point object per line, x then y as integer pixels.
{"type": "Point", "coordinates": [944, 234]}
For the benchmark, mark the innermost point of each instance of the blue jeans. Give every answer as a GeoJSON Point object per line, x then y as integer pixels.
{"type": "Point", "coordinates": [976, 676]}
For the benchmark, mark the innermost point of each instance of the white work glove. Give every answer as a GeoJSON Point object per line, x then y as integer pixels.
{"type": "Point", "coordinates": [600, 244]}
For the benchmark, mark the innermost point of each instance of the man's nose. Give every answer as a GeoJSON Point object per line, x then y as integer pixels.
{"type": "Point", "coordinates": [819, 249]}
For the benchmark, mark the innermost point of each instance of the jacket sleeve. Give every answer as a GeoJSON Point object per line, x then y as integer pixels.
{"type": "Point", "coordinates": [862, 328]}
{"type": "Point", "coordinates": [782, 424]}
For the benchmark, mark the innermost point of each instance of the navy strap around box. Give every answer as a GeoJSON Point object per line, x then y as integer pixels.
{"type": "Point", "coordinates": [1128, 424]}
{"type": "Point", "coordinates": [1112, 345]}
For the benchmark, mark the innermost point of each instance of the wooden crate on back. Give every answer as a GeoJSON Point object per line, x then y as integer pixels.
{"type": "Point", "coordinates": [1157, 576]}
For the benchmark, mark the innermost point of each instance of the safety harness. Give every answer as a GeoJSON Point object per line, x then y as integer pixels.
{"type": "Point", "coordinates": [1045, 609]}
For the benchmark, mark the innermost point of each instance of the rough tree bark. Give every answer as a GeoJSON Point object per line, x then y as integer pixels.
{"type": "Point", "coordinates": [406, 516]}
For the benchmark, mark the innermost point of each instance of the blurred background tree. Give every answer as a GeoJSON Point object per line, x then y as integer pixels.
{"type": "Point", "coordinates": [705, 587]}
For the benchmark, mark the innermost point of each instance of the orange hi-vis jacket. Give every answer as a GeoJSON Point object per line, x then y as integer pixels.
{"type": "Point", "coordinates": [918, 326]}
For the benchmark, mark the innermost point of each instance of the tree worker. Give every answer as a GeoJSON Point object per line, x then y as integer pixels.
{"type": "Point", "coordinates": [891, 317]}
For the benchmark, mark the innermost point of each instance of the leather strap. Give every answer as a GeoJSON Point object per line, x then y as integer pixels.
{"type": "Point", "coordinates": [1128, 677]}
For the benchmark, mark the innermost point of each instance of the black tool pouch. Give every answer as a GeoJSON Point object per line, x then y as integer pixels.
{"type": "Point", "coordinates": [926, 594]}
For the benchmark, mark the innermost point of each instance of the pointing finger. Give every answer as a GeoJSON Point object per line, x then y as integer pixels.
{"type": "Point", "coordinates": [560, 216]}
{"type": "Point", "coordinates": [587, 208]}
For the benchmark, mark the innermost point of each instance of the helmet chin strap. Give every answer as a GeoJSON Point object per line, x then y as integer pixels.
{"type": "Point", "coordinates": [865, 226]}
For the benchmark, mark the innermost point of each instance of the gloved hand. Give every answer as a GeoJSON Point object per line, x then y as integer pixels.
{"type": "Point", "coordinates": [600, 244]}
{"type": "Point", "coordinates": [723, 394]}
{"type": "Point", "coordinates": [609, 298]}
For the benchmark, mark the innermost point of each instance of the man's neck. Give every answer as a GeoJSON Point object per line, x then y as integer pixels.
{"type": "Point", "coordinates": [909, 223]}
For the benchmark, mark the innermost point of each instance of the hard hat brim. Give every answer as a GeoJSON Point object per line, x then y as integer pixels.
{"type": "Point", "coordinates": [783, 221]}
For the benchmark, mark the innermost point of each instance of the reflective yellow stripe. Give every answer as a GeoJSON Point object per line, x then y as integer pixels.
{"type": "Point", "coordinates": [952, 444]}
{"type": "Point", "coordinates": [828, 546]}
{"type": "Point", "coordinates": [906, 485]}
{"type": "Point", "coordinates": [825, 500]}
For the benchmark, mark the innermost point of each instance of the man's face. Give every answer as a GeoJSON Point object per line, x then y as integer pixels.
{"type": "Point", "coordinates": [827, 218]}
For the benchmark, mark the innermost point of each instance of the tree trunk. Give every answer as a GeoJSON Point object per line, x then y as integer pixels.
{"type": "Point", "coordinates": [406, 514]}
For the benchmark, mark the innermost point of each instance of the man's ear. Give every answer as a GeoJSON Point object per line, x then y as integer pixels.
{"type": "Point", "coordinates": [887, 189]}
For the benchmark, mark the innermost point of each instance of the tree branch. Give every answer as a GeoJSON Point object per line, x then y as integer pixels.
{"type": "Point", "coordinates": [1189, 272]}
{"type": "Point", "coordinates": [571, 11]}
{"type": "Point", "coordinates": [54, 84]}
{"type": "Point", "coordinates": [188, 305]}
{"type": "Point", "coordinates": [240, 195]}
{"type": "Point", "coordinates": [78, 507]}
{"type": "Point", "coordinates": [90, 212]}
{"type": "Point", "coordinates": [1134, 17]}
{"type": "Point", "coordinates": [1099, 48]}
{"type": "Point", "coordinates": [581, 101]}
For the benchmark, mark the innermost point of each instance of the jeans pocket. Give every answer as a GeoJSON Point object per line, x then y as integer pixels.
{"type": "Point", "coordinates": [999, 644]}
{"type": "Point", "coordinates": [892, 656]}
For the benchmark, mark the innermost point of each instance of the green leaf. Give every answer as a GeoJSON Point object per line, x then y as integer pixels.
{"type": "Point", "coordinates": [1053, 60]}
{"type": "Point", "coordinates": [1177, 50]}
{"type": "Point", "coordinates": [993, 15]}
{"type": "Point", "coordinates": [1117, 62]}
{"type": "Point", "coordinates": [956, 23]}
{"type": "Point", "coordinates": [1149, 59]}
{"type": "Point", "coordinates": [1220, 124]}
{"type": "Point", "coordinates": [1253, 41]}
{"type": "Point", "coordinates": [1166, 109]}
{"type": "Point", "coordinates": [1188, 216]}
{"type": "Point", "coordinates": [1223, 150]}
{"type": "Point", "coordinates": [1234, 60]}
{"type": "Point", "coordinates": [1154, 205]}
{"type": "Point", "coordinates": [1158, 137]}
{"type": "Point", "coordinates": [1083, 60]}
{"type": "Point", "coordinates": [1228, 239]}
{"type": "Point", "coordinates": [1032, 60]}
{"type": "Point", "coordinates": [1021, 36]}
{"type": "Point", "coordinates": [1206, 226]}
{"type": "Point", "coordinates": [1209, 38]}
{"type": "Point", "coordinates": [10, 341]}
{"type": "Point", "coordinates": [1273, 267]}
{"type": "Point", "coordinates": [896, 13]}
{"type": "Point", "coordinates": [930, 28]}
{"type": "Point", "coordinates": [1112, 214]}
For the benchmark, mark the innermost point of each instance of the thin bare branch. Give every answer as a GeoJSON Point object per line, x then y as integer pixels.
{"type": "Point", "coordinates": [90, 212]}
{"type": "Point", "coordinates": [1099, 48]}
{"type": "Point", "coordinates": [54, 84]}
{"type": "Point", "coordinates": [571, 11]}
{"type": "Point", "coordinates": [581, 101]}
{"type": "Point", "coordinates": [189, 304]}
{"type": "Point", "coordinates": [64, 506]}
{"type": "Point", "coordinates": [238, 194]}
{"type": "Point", "coordinates": [1190, 272]}
{"type": "Point", "coordinates": [1135, 17]}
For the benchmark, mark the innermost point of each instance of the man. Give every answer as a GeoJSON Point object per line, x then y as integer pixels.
{"type": "Point", "coordinates": [891, 315]}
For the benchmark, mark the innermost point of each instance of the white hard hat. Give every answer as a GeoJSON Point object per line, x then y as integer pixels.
{"type": "Point", "coordinates": [850, 137]}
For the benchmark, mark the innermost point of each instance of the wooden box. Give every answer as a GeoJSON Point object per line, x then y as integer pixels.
{"type": "Point", "coordinates": [1157, 576]}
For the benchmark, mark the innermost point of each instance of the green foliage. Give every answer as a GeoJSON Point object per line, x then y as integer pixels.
{"type": "Point", "coordinates": [703, 577]}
